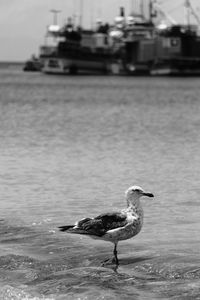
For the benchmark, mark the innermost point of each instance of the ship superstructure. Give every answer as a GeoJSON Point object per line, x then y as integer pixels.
{"type": "Point", "coordinates": [76, 50]}
{"type": "Point", "coordinates": [135, 44]}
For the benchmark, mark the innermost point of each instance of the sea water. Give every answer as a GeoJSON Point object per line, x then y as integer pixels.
{"type": "Point", "coordinates": [69, 148]}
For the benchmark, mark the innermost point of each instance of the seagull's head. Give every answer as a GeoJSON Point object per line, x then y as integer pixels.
{"type": "Point", "coordinates": [135, 192]}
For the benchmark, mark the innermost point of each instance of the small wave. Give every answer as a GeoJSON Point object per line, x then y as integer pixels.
{"type": "Point", "coordinates": [11, 293]}
{"type": "Point", "coordinates": [10, 233]}
{"type": "Point", "coordinates": [13, 262]}
{"type": "Point", "coordinates": [169, 270]}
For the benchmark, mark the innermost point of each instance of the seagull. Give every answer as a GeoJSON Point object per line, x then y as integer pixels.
{"type": "Point", "coordinates": [114, 226]}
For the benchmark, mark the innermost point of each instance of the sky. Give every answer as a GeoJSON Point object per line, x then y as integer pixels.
{"type": "Point", "coordinates": [23, 23]}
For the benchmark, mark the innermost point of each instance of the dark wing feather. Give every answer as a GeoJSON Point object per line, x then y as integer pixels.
{"type": "Point", "coordinates": [102, 223]}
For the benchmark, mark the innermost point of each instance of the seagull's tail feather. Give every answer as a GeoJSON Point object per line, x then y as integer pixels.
{"type": "Point", "coordinates": [65, 228]}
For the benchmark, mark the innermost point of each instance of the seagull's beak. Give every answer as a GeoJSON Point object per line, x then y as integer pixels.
{"type": "Point", "coordinates": [148, 195]}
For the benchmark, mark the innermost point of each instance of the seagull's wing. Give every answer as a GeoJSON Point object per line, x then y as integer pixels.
{"type": "Point", "coordinates": [98, 226]}
{"type": "Point", "coordinates": [112, 220]}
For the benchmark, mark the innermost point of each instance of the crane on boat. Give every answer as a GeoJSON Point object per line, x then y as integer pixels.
{"type": "Point", "coordinates": [190, 10]}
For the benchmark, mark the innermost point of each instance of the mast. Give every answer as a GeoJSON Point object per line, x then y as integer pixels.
{"type": "Point", "coordinates": [99, 10]}
{"type": "Point", "coordinates": [142, 8]}
{"type": "Point", "coordinates": [74, 12]}
{"type": "Point", "coordinates": [55, 15]}
{"type": "Point", "coordinates": [53, 29]}
{"type": "Point", "coordinates": [91, 15]}
{"type": "Point", "coordinates": [152, 12]}
{"type": "Point", "coordinates": [81, 13]}
{"type": "Point", "coordinates": [195, 14]}
{"type": "Point", "coordinates": [132, 7]}
{"type": "Point", "coordinates": [137, 7]}
{"type": "Point", "coordinates": [187, 12]}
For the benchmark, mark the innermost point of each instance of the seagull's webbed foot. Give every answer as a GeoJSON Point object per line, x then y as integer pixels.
{"type": "Point", "coordinates": [114, 260]}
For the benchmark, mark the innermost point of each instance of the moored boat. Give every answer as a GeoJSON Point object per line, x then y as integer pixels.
{"type": "Point", "coordinates": [126, 47]}
{"type": "Point", "coordinates": [33, 65]}
{"type": "Point", "coordinates": [133, 45]}
{"type": "Point", "coordinates": [76, 50]}
{"type": "Point", "coordinates": [177, 51]}
{"type": "Point", "coordinates": [177, 46]}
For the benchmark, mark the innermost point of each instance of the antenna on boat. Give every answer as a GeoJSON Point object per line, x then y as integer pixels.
{"type": "Point", "coordinates": [91, 15]}
{"type": "Point", "coordinates": [132, 8]}
{"type": "Point", "coordinates": [142, 8]}
{"type": "Point", "coordinates": [55, 16]}
{"type": "Point", "coordinates": [81, 13]}
{"type": "Point", "coordinates": [137, 8]}
{"type": "Point", "coordinates": [74, 12]}
{"type": "Point", "coordinates": [187, 12]}
{"type": "Point", "coordinates": [189, 9]}
{"type": "Point", "coordinates": [150, 10]}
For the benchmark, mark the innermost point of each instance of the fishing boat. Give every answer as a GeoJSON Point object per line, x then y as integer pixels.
{"type": "Point", "coordinates": [156, 47]}
{"type": "Point", "coordinates": [125, 47]}
{"type": "Point", "coordinates": [138, 38]}
{"type": "Point", "coordinates": [177, 47]}
{"type": "Point", "coordinates": [177, 52]}
{"type": "Point", "coordinates": [76, 50]}
{"type": "Point", "coordinates": [134, 45]}
{"type": "Point", "coordinates": [33, 64]}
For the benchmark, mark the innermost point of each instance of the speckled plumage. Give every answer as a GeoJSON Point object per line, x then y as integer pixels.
{"type": "Point", "coordinates": [116, 226]}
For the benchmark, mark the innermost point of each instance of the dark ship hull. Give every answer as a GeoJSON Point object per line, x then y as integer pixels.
{"type": "Point", "coordinates": [132, 46]}
{"type": "Point", "coordinates": [177, 52]}
{"type": "Point", "coordinates": [32, 65]}
{"type": "Point", "coordinates": [77, 51]}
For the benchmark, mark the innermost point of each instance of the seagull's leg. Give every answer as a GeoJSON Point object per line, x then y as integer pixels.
{"type": "Point", "coordinates": [115, 259]}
